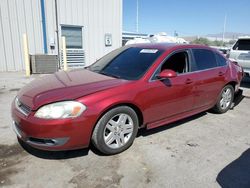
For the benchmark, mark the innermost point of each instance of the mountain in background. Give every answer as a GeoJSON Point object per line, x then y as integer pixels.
{"type": "Point", "coordinates": [218, 36]}
{"type": "Point", "coordinates": [231, 35]}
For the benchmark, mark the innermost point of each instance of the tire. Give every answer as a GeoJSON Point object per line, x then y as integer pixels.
{"type": "Point", "coordinates": [116, 130]}
{"type": "Point", "coordinates": [225, 100]}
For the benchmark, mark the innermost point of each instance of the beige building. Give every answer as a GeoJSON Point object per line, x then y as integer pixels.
{"type": "Point", "coordinates": [92, 28]}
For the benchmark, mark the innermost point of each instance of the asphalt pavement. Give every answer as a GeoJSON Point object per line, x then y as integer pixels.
{"type": "Point", "coordinates": [205, 150]}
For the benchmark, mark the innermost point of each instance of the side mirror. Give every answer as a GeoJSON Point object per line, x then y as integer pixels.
{"type": "Point", "coordinates": [167, 73]}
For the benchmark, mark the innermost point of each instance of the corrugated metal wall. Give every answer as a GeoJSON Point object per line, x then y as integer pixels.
{"type": "Point", "coordinates": [24, 16]}
{"type": "Point", "coordinates": [18, 17]}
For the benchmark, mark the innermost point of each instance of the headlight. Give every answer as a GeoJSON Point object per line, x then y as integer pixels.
{"type": "Point", "coordinates": [61, 110]}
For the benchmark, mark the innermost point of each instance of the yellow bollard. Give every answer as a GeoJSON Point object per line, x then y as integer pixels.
{"type": "Point", "coordinates": [65, 63]}
{"type": "Point", "coordinates": [26, 55]}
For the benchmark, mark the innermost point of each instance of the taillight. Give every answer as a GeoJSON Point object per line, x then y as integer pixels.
{"type": "Point", "coordinates": [235, 62]}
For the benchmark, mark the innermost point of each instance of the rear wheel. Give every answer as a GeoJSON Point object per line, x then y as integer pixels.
{"type": "Point", "coordinates": [116, 130]}
{"type": "Point", "coordinates": [225, 100]}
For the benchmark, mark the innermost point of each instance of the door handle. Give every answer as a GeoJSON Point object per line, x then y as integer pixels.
{"type": "Point", "coordinates": [221, 73]}
{"type": "Point", "coordinates": [188, 81]}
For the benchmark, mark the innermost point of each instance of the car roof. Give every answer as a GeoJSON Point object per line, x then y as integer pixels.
{"type": "Point", "coordinates": [168, 46]}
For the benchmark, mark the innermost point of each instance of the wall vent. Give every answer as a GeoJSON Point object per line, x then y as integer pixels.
{"type": "Point", "coordinates": [75, 58]}
{"type": "Point", "coordinates": [42, 63]}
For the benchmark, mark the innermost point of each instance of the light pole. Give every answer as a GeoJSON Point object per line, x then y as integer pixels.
{"type": "Point", "coordinates": [137, 16]}
{"type": "Point", "coordinates": [224, 28]}
{"type": "Point", "coordinates": [57, 35]}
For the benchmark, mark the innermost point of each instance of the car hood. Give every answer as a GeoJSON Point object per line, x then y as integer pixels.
{"type": "Point", "coordinates": [65, 86]}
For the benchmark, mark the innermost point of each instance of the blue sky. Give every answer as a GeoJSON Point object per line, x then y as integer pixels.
{"type": "Point", "coordinates": [187, 17]}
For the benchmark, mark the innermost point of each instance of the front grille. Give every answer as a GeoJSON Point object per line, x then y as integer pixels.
{"type": "Point", "coordinates": [47, 142]}
{"type": "Point", "coordinates": [40, 141]}
{"type": "Point", "coordinates": [24, 109]}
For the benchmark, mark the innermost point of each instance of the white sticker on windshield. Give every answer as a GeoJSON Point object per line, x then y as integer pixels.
{"type": "Point", "coordinates": [149, 51]}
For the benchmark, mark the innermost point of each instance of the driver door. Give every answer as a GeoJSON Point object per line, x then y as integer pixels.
{"type": "Point", "coordinates": [173, 96]}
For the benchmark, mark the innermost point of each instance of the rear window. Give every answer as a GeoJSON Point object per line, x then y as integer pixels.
{"type": "Point", "coordinates": [205, 59]}
{"type": "Point", "coordinates": [243, 44]}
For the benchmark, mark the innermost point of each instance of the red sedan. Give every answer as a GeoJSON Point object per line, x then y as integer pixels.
{"type": "Point", "coordinates": [143, 85]}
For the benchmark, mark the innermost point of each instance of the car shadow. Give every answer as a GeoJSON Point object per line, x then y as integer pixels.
{"type": "Point", "coordinates": [245, 83]}
{"type": "Point", "coordinates": [238, 98]}
{"type": "Point", "coordinates": [146, 132]}
{"type": "Point", "coordinates": [58, 155]}
{"type": "Point", "coordinates": [237, 173]}
{"type": "Point", "coordinates": [53, 154]}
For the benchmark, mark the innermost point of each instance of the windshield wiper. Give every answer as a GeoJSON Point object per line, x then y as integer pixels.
{"type": "Point", "coordinates": [109, 74]}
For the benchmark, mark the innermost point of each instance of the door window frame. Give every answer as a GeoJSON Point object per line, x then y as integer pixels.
{"type": "Point", "coordinates": [218, 64]}
{"type": "Point", "coordinates": [195, 64]}
{"type": "Point", "coordinates": [190, 61]}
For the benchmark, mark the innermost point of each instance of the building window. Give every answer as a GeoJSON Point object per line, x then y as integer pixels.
{"type": "Point", "coordinates": [73, 35]}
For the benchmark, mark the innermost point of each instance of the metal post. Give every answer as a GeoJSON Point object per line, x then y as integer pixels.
{"type": "Point", "coordinates": [224, 28]}
{"type": "Point", "coordinates": [26, 54]}
{"type": "Point", "coordinates": [65, 63]}
{"type": "Point", "coordinates": [45, 47]}
{"type": "Point", "coordinates": [137, 16]}
{"type": "Point", "coordinates": [57, 35]}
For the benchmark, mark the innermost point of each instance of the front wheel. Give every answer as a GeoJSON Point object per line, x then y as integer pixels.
{"type": "Point", "coordinates": [116, 130]}
{"type": "Point", "coordinates": [225, 100]}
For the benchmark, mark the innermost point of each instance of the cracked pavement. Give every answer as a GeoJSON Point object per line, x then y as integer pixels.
{"type": "Point", "coordinates": [200, 151]}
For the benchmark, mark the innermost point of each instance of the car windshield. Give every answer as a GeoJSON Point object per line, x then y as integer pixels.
{"type": "Point", "coordinates": [128, 63]}
{"type": "Point", "coordinates": [242, 44]}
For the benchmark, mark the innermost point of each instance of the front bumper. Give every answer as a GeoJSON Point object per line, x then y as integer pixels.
{"type": "Point", "coordinates": [64, 134]}
{"type": "Point", "coordinates": [39, 142]}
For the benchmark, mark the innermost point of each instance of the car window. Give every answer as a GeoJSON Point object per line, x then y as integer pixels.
{"type": "Point", "coordinates": [243, 44]}
{"type": "Point", "coordinates": [178, 62]}
{"type": "Point", "coordinates": [204, 59]}
{"type": "Point", "coordinates": [221, 61]}
{"type": "Point", "coordinates": [129, 63]}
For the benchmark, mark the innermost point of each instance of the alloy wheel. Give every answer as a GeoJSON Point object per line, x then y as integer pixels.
{"type": "Point", "coordinates": [226, 98]}
{"type": "Point", "coordinates": [118, 131]}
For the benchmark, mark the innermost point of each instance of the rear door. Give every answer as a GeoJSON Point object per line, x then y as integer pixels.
{"type": "Point", "coordinates": [209, 77]}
